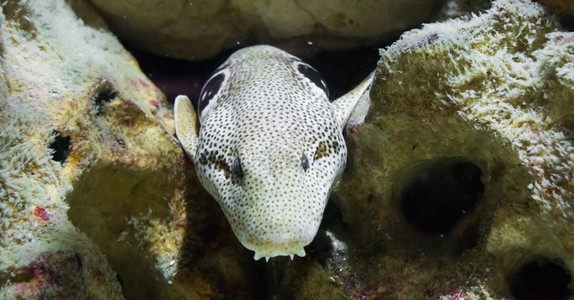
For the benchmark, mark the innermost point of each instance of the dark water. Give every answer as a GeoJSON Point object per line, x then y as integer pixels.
{"type": "Point", "coordinates": [341, 69]}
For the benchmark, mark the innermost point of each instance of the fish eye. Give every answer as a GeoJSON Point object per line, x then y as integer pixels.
{"type": "Point", "coordinates": [210, 89]}
{"type": "Point", "coordinates": [313, 75]}
{"type": "Point", "coordinates": [236, 168]}
{"type": "Point", "coordinates": [304, 161]}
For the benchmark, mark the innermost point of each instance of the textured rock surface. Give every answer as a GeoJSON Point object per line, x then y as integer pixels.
{"type": "Point", "coordinates": [92, 181]}
{"type": "Point", "coordinates": [200, 29]}
{"type": "Point", "coordinates": [73, 101]}
{"type": "Point", "coordinates": [460, 183]}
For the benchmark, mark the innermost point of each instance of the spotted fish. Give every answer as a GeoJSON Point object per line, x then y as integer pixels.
{"type": "Point", "coordinates": [270, 147]}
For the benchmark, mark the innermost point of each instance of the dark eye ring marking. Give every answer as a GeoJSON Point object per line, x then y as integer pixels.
{"type": "Point", "coordinates": [313, 75]}
{"type": "Point", "coordinates": [304, 161]}
{"type": "Point", "coordinates": [221, 67]}
{"type": "Point", "coordinates": [210, 89]}
{"type": "Point", "coordinates": [236, 168]}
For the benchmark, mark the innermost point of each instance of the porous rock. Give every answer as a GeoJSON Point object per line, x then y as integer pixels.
{"type": "Point", "coordinates": [196, 30]}
{"type": "Point", "coordinates": [460, 183]}
{"type": "Point", "coordinates": [92, 181]}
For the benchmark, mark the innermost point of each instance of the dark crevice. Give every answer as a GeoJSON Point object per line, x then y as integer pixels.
{"type": "Point", "coordinates": [103, 93]}
{"type": "Point", "coordinates": [567, 23]}
{"type": "Point", "coordinates": [342, 70]}
{"type": "Point", "coordinates": [177, 77]}
{"type": "Point", "coordinates": [441, 194]}
{"type": "Point", "coordinates": [321, 245]}
{"type": "Point", "coordinates": [332, 217]}
{"type": "Point", "coordinates": [61, 147]}
{"type": "Point", "coordinates": [541, 279]}
{"type": "Point", "coordinates": [120, 281]}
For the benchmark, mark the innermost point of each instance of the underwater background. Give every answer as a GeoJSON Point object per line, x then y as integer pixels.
{"type": "Point", "coordinates": [459, 178]}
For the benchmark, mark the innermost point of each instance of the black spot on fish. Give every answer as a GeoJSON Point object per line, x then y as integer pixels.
{"type": "Point", "coordinates": [210, 89]}
{"type": "Point", "coordinates": [313, 75]}
{"type": "Point", "coordinates": [236, 168]}
{"type": "Point", "coordinates": [304, 161]}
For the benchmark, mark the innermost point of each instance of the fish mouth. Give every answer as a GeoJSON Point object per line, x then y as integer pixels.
{"type": "Point", "coordinates": [259, 255]}
{"type": "Point", "coordinates": [279, 234]}
{"type": "Point", "coordinates": [268, 248]}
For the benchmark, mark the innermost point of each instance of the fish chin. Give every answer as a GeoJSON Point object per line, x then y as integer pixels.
{"type": "Point", "coordinates": [281, 229]}
{"type": "Point", "coordinates": [269, 248]}
{"type": "Point", "coordinates": [259, 254]}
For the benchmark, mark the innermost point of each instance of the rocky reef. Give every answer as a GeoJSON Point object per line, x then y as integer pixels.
{"type": "Point", "coordinates": [458, 185]}
{"type": "Point", "coordinates": [201, 29]}
{"type": "Point", "coordinates": [94, 188]}
{"type": "Point", "coordinates": [461, 179]}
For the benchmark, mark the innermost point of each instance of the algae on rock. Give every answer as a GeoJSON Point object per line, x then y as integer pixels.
{"type": "Point", "coordinates": [93, 184]}
{"type": "Point", "coordinates": [460, 182]}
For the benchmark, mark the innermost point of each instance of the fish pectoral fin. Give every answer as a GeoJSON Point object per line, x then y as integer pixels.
{"type": "Point", "coordinates": [186, 124]}
{"type": "Point", "coordinates": [345, 104]}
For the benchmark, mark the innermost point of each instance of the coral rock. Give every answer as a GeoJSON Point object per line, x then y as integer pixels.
{"type": "Point", "coordinates": [93, 184]}
{"type": "Point", "coordinates": [460, 182]}
{"type": "Point", "coordinates": [200, 29]}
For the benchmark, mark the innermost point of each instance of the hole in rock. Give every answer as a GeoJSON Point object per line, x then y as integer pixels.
{"type": "Point", "coordinates": [541, 279]}
{"type": "Point", "coordinates": [104, 93]}
{"type": "Point", "coordinates": [332, 217]}
{"type": "Point", "coordinates": [441, 193]}
{"type": "Point", "coordinates": [61, 147]}
{"type": "Point", "coordinates": [567, 22]}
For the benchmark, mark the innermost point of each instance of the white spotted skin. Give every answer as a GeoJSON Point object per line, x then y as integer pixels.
{"type": "Point", "coordinates": [269, 115]}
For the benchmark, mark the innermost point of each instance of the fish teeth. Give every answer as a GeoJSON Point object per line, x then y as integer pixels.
{"type": "Point", "coordinates": [258, 256]}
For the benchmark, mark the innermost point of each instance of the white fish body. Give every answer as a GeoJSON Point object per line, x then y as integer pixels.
{"type": "Point", "coordinates": [270, 147]}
